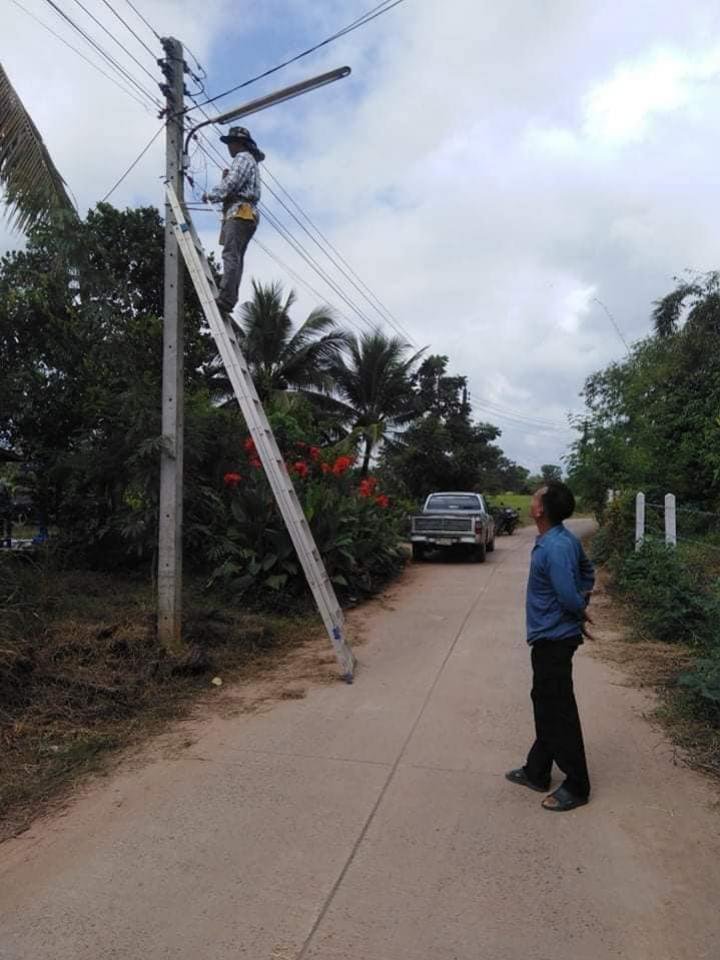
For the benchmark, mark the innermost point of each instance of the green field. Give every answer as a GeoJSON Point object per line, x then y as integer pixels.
{"type": "Point", "coordinates": [519, 501]}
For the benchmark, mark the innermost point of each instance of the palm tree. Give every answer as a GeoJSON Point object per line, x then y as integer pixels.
{"type": "Point", "coordinates": [374, 381]}
{"type": "Point", "coordinates": [34, 189]}
{"type": "Point", "coordinates": [282, 357]}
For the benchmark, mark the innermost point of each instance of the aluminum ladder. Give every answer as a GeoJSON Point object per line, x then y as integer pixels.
{"type": "Point", "coordinates": [223, 332]}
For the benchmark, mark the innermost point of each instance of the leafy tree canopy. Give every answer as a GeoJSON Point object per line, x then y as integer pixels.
{"type": "Point", "coordinates": [652, 420]}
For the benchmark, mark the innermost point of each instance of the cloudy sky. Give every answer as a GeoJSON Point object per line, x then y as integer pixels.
{"type": "Point", "coordinates": [495, 173]}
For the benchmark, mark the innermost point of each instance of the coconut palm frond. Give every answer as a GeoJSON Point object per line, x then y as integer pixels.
{"type": "Point", "coordinates": [34, 189]}
{"type": "Point", "coordinates": [375, 379]}
{"type": "Point", "coordinates": [282, 355]}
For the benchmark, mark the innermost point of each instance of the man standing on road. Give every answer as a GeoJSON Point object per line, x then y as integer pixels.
{"type": "Point", "coordinates": [558, 592]}
{"type": "Point", "coordinates": [239, 193]}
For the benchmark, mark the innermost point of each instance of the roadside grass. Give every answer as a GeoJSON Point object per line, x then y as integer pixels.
{"type": "Point", "coordinates": [82, 674]}
{"type": "Point", "coordinates": [692, 727]}
{"type": "Point", "coordinates": [626, 636]}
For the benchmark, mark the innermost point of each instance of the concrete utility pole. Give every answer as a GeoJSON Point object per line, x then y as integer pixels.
{"type": "Point", "coordinates": [171, 464]}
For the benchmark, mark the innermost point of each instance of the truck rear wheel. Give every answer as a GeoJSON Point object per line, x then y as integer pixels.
{"type": "Point", "coordinates": [418, 551]}
{"type": "Point", "coordinates": [479, 553]}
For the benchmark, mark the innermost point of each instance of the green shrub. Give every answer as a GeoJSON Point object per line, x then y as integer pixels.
{"type": "Point", "coordinates": [704, 679]}
{"type": "Point", "coordinates": [669, 603]}
{"type": "Point", "coordinates": [617, 534]}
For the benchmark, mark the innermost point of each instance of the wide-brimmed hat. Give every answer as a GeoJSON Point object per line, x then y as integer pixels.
{"type": "Point", "coordinates": [238, 133]}
{"type": "Point", "coordinates": [242, 135]}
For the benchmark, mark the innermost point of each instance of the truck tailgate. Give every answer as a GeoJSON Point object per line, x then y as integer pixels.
{"type": "Point", "coordinates": [443, 525]}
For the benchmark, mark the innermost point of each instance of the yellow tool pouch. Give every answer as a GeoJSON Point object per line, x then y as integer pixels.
{"type": "Point", "coordinates": [243, 212]}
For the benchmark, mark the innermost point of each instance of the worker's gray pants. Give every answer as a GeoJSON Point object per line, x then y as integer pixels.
{"type": "Point", "coordinates": [235, 236]}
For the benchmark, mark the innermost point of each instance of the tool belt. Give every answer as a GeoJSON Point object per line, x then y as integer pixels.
{"type": "Point", "coordinates": [244, 211]}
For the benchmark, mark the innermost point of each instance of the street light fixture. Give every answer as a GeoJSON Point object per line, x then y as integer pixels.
{"type": "Point", "coordinates": [280, 96]}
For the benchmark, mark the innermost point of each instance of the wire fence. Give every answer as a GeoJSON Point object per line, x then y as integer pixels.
{"type": "Point", "coordinates": [694, 526]}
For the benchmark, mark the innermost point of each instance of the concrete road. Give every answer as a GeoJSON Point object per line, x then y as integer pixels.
{"type": "Point", "coordinates": [373, 822]}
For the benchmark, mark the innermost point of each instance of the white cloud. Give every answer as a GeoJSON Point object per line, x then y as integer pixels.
{"type": "Point", "coordinates": [623, 108]}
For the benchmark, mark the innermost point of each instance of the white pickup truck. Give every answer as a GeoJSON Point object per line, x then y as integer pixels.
{"type": "Point", "coordinates": [452, 519]}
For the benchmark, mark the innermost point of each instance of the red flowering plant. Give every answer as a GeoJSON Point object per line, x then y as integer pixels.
{"type": "Point", "coordinates": [357, 532]}
{"type": "Point", "coordinates": [341, 466]}
{"type": "Point", "coordinates": [300, 469]}
{"type": "Point", "coordinates": [367, 487]}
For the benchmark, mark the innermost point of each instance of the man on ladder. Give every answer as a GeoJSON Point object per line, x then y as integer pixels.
{"type": "Point", "coordinates": [239, 193]}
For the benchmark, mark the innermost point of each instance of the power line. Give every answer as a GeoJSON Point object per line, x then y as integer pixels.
{"type": "Point", "coordinates": [389, 316]}
{"type": "Point", "coordinates": [517, 420]}
{"type": "Point", "coordinates": [144, 20]}
{"type": "Point", "coordinates": [696, 510]}
{"type": "Point", "coordinates": [335, 263]}
{"type": "Point", "coordinates": [296, 276]}
{"type": "Point", "coordinates": [134, 163]}
{"type": "Point", "coordinates": [115, 39]}
{"type": "Point", "coordinates": [354, 25]}
{"type": "Point", "coordinates": [96, 46]}
{"type": "Point", "coordinates": [124, 22]}
{"type": "Point", "coordinates": [286, 234]}
{"type": "Point", "coordinates": [540, 421]}
{"type": "Point", "coordinates": [200, 67]}
{"type": "Point", "coordinates": [501, 410]}
{"type": "Point", "coordinates": [80, 54]}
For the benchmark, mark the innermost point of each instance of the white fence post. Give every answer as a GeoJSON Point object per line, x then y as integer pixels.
{"type": "Point", "coordinates": [639, 520]}
{"type": "Point", "coordinates": [670, 520]}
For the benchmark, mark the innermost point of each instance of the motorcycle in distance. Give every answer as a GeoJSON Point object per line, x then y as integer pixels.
{"type": "Point", "coordinates": [506, 519]}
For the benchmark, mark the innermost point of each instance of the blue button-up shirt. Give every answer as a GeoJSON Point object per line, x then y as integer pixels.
{"type": "Point", "coordinates": [560, 577]}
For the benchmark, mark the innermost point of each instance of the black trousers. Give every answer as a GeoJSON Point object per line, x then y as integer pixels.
{"type": "Point", "coordinates": [558, 735]}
